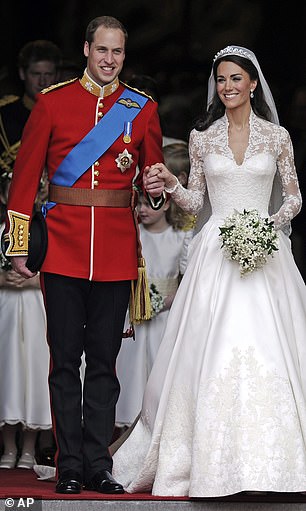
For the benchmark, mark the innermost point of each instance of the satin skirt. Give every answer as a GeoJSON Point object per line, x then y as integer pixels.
{"type": "Point", "coordinates": [224, 410]}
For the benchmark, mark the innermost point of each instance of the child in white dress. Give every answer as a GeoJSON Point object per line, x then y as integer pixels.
{"type": "Point", "coordinates": [24, 361]}
{"type": "Point", "coordinates": [164, 248]}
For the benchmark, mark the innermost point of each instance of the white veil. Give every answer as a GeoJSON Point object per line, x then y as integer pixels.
{"type": "Point", "coordinates": [276, 195]}
{"type": "Point", "coordinates": [247, 54]}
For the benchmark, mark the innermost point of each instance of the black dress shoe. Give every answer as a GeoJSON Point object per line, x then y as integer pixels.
{"type": "Point", "coordinates": [69, 483]}
{"type": "Point", "coordinates": [103, 482]}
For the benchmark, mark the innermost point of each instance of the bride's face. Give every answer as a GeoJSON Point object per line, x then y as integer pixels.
{"type": "Point", "coordinates": [233, 85]}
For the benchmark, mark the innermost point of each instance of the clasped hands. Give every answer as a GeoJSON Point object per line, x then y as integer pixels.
{"type": "Point", "coordinates": [156, 177]}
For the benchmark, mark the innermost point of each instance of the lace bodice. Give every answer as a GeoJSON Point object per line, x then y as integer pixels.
{"type": "Point", "coordinates": [230, 186]}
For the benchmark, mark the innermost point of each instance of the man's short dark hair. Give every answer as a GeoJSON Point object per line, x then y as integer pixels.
{"type": "Point", "coordinates": [104, 21]}
{"type": "Point", "coordinates": [36, 51]}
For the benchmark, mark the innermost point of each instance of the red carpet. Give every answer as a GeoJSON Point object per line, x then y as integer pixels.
{"type": "Point", "coordinates": [24, 483]}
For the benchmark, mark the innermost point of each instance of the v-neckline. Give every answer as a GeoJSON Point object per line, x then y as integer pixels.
{"type": "Point", "coordinates": [239, 165]}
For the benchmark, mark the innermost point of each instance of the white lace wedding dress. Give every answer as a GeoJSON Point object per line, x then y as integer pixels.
{"type": "Point", "coordinates": [225, 406]}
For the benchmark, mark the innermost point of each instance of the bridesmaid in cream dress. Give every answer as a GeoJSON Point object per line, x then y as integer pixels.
{"type": "Point", "coordinates": [164, 249]}
{"type": "Point", "coordinates": [24, 362]}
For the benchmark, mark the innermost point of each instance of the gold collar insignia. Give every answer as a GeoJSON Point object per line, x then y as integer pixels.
{"type": "Point", "coordinates": [94, 88]}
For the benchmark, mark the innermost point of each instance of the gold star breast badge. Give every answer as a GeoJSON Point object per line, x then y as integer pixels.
{"type": "Point", "coordinates": [124, 160]}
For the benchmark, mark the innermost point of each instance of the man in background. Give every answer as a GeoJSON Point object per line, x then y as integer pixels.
{"type": "Point", "coordinates": [38, 65]}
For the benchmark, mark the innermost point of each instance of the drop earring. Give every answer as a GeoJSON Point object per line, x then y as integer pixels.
{"type": "Point", "coordinates": [251, 94]}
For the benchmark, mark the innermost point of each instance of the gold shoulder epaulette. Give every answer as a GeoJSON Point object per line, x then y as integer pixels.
{"type": "Point", "coordinates": [57, 85]}
{"type": "Point", "coordinates": [141, 92]}
{"type": "Point", "coordinates": [6, 100]}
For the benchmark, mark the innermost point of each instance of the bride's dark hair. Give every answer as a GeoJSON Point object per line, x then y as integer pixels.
{"type": "Point", "coordinates": [217, 109]}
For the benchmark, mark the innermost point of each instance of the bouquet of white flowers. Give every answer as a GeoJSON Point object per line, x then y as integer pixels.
{"type": "Point", "coordinates": [157, 300]}
{"type": "Point", "coordinates": [248, 239]}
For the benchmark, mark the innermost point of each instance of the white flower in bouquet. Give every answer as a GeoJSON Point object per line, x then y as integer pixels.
{"type": "Point", "coordinates": [157, 300]}
{"type": "Point", "coordinates": [248, 239]}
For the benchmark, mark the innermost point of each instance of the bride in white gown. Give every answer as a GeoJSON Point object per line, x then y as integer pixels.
{"type": "Point", "coordinates": [224, 409]}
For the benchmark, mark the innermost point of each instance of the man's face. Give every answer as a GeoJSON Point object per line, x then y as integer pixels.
{"type": "Point", "coordinates": [38, 76]}
{"type": "Point", "coordinates": [105, 55]}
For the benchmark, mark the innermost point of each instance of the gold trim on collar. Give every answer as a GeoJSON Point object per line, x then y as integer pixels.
{"type": "Point", "coordinates": [91, 86]}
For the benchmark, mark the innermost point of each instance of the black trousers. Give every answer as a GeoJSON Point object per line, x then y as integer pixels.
{"type": "Point", "coordinates": [84, 316]}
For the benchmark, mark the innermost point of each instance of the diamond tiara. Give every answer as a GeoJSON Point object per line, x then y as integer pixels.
{"type": "Point", "coordinates": [233, 50]}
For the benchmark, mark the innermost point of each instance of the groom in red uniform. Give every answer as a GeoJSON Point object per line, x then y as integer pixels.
{"type": "Point", "coordinates": [93, 135]}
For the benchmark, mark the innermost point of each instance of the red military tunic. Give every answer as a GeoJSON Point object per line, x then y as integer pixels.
{"type": "Point", "coordinates": [96, 243]}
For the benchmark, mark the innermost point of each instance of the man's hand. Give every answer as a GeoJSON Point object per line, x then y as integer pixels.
{"type": "Point", "coordinates": [156, 178]}
{"type": "Point", "coordinates": [153, 184]}
{"type": "Point", "coordinates": [19, 266]}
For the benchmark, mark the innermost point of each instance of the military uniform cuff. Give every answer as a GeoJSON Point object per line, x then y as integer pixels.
{"type": "Point", "coordinates": [18, 235]}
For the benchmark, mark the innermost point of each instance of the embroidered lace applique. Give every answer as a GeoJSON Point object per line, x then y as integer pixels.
{"type": "Point", "coordinates": [236, 186]}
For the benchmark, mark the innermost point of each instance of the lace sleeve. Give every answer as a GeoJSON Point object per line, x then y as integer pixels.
{"type": "Point", "coordinates": [191, 198]}
{"type": "Point", "coordinates": [292, 200]}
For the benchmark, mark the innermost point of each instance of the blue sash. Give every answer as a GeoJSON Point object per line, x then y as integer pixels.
{"type": "Point", "coordinates": [97, 141]}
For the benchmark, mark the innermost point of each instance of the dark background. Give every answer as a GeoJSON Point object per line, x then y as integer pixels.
{"type": "Point", "coordinates": [174, 42]}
